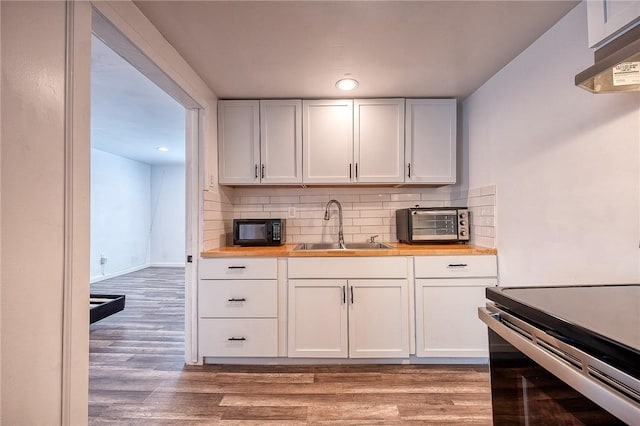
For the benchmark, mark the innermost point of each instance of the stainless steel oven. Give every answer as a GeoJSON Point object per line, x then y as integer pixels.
{"type": "Point", "coordinates": [551, 362]}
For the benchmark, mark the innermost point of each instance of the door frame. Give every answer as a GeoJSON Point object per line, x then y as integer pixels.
{"type": "Point", "coordinates": [122, 26]}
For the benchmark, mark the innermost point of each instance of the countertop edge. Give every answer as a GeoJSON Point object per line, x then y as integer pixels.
{"type": "Point", "coordinates": [399, 249]}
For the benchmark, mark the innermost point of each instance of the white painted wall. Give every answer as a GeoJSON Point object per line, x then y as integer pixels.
{"type": "Point", "coordinates": [39, 376]}
{"type": "Point", "coordinates": [565, 163]}
{"type": "Point", "coordinates": [120, 214]}
{"type": "Point", "coordinates": [167, 215]}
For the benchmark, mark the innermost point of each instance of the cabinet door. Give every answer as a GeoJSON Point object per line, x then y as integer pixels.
{"type": "Point", "coordinates": [430, 143]}
{"type": "Point", "coordinates": [378, 140]}
{"type": "Point", "coordinates": [281, 141]}
{"type": "Point", "coordinates": [447, 323]}
{"type": "Point", "coordinates": [378, 318]}
{"type": "Point", "coordinates": [238, 142]}
{"type": "Point", "coordinates": [317, 323]}
{"type": "Point", "coordinates": [328, 141]}
{"type": "Point", "coordinates": [607, 18]}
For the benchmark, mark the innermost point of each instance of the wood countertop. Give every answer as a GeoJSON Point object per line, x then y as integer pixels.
{"type": "Point", "coordinates": [399, 249]}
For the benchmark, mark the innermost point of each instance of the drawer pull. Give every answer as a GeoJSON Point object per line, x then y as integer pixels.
{"type": "Point", "coordinates": [237, 339]}
{"type": "Point", "coordinates": [457, 265]}
{"type": "Point", "coordinates": [237, 299]}
{"type": "Point", "coordinates": [236, 267]}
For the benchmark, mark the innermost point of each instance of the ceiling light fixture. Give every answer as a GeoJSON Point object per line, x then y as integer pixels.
{"type": "Point", "coordinates": [162, 148]}
{"type": "Point", "coordinates": [347, 84]}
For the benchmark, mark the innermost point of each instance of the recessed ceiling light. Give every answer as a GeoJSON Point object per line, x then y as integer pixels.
{"type": "Point", "coordinates": [162, 148]}
{"type": "Point", "coordinates": [347, 84]}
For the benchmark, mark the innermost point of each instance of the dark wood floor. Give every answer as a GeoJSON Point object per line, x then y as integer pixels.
{"type": "Point", "coordinates": [138, 376]}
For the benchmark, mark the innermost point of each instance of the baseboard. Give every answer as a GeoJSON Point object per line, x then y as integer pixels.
{"type": "Point", "coordinates": [167, 265]}
{"type": "Point", "coordinates": [117, 274]}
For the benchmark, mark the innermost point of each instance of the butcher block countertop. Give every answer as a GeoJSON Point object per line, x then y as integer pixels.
{"type": "Point", "coordinates": [399, 249]}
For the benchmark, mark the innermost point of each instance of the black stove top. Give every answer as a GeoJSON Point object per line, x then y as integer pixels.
{"type": "Point", "coordinates": [603, 320]}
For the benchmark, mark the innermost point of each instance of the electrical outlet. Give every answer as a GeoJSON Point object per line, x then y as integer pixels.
{"type": "Point", "coordinates": [292, 212]}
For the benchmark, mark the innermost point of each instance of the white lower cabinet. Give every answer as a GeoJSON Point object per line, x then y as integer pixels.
{"type": "Point", "coordinates": [378, 318]}
{"type": "Point", "coordinates": [317, 320]}
{"type": "Point", "coordinates": [356, 318]}
{"type": "Point", "coordinates": [449, 290]}
{"type": "Point", "coordinates": [245, 337]}
{"type": "Point", "coordinates": [342, 317]}
{"type": "Point", "coordinates": [238, 308]}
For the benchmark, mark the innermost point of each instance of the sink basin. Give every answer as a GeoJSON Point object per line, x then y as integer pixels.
{"type": "Point", "coordinates": [334, 246]}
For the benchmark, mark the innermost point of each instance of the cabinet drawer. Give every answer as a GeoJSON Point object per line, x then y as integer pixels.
{"type": "Point", "coordinates": [455, 266]}
{"type": "Point", "coordinates": [348, 267]}
{"type": "Point", "coordinates": [238, 337]}
{"type": "Point", "coordinates": [239, 268]}
{"type": "Point", "coordinates": [238, 298]}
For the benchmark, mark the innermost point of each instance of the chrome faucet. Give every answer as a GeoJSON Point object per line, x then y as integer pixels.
{"type": "Point", "coordinates": [326, 217]}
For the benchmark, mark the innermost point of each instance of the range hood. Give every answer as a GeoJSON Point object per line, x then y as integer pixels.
{"type": "Point", "coordinates": [616, 67]}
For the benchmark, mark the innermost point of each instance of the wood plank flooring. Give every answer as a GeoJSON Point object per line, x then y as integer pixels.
{"type": "Point", "coordinates": [138, 376]}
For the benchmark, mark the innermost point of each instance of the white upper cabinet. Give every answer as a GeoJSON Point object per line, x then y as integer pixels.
{"type": "Point", "coordinates": [327, 141]}
{"type": "Point", "coordinates": [238, 142]}
{"type": "Point", "coordinates": [260, 142]}
{"type": "Point", "coordinates": [378, 142]}
{"type": "Point", "coordinates": [281, 141]}
{"type": "Point", "coordinates": [333, 142]}
{"type": "Point", "coordinates": [608, 18]}
{"type": "Point", "coordinates": [430, 141]}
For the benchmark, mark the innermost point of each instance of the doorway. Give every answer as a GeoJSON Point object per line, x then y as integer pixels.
{"type": "Point", "coordinates": [137, 170]}
{"type": "Point", "coordinates": [196, 117]}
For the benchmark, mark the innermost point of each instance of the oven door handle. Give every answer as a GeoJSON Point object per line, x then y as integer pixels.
{"type": "Point", "coordinates": [571, 365]}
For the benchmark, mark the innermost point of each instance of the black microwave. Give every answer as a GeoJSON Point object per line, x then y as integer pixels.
{"type": "Point", "coordinates": [424, 225]}
{"type": "Point", "coordinates": [258, 232]}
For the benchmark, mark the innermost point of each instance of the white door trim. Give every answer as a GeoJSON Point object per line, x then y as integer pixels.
{"type": "Point", "coordinates": [75, 280]}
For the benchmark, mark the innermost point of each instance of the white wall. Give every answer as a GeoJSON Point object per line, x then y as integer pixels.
{"type": "Point", "coordinates": [167, 215]}
{"type": "Point", "coordinates": [565, 163]}
{"type": "Point", "coordinates": [39, 375]}
{"type": "Point", "coordinates": [120, 214]}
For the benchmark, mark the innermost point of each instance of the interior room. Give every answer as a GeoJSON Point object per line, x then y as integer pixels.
{"type": "Point", "coordinates": [392, 212]}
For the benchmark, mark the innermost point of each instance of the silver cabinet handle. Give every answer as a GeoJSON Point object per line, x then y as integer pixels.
{"type": "Point", "coordinates": [256, 171]}
{"type": "Point", "coordinates": [409, 165]}
{"type": "Point", "coordinates": [350, 165]}
{"type": "Point", "coordinates": [457, 265]}
{"type": "Point", "coordinates": [237, 299]}
{"type": "Point", "coordinates": [356, 170]}
{"type": "Point", "coordinates": [344, 295]}
{"type": "Point", "coordinates": [262, 172]}
{"type": "Point", "coordinates": [351, 288]}
{"type": "Point", "coordinates": [236, 267]}
{"type": "Point", "coordinates": [237, 339]}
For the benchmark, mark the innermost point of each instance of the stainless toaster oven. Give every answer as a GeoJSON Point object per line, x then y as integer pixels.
{"type": "Point", "coordinates": [422, 225]}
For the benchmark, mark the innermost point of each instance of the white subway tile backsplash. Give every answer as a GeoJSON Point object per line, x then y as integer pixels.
{"type": "Point", "coordinates": [368, 221]}
{"type": "Point", "coordinates": [377, 213]}
{"type": "Point", "coordinates": [375, 197]}
{"type": "Point", "coordinates": [345, 198]}
{"type": "Point", "coordinates": [370, 205]}
{"type": "Point", "coordinates": [248, 208]}
{"type": "Point", "coordinates": [314, 199]}
{"type": "Point", "coordinates": [366, 210]}
{"type": "Point", "coordinates": [285, 200]}
{"type": "Point", "coordinates": [405, 197]}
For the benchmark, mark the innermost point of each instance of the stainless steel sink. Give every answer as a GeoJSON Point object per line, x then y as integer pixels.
{"type": "Point", "coordinates": [349, 246]}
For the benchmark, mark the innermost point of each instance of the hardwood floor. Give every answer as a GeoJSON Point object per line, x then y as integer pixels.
{"type": "Point", "coordinates": [138, 376]}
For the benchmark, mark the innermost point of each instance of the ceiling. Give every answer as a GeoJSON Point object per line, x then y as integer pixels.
{"type": "Point", "coordinates": [299, 49]}
{"type": "Point", "coordinates": [130, 115]}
